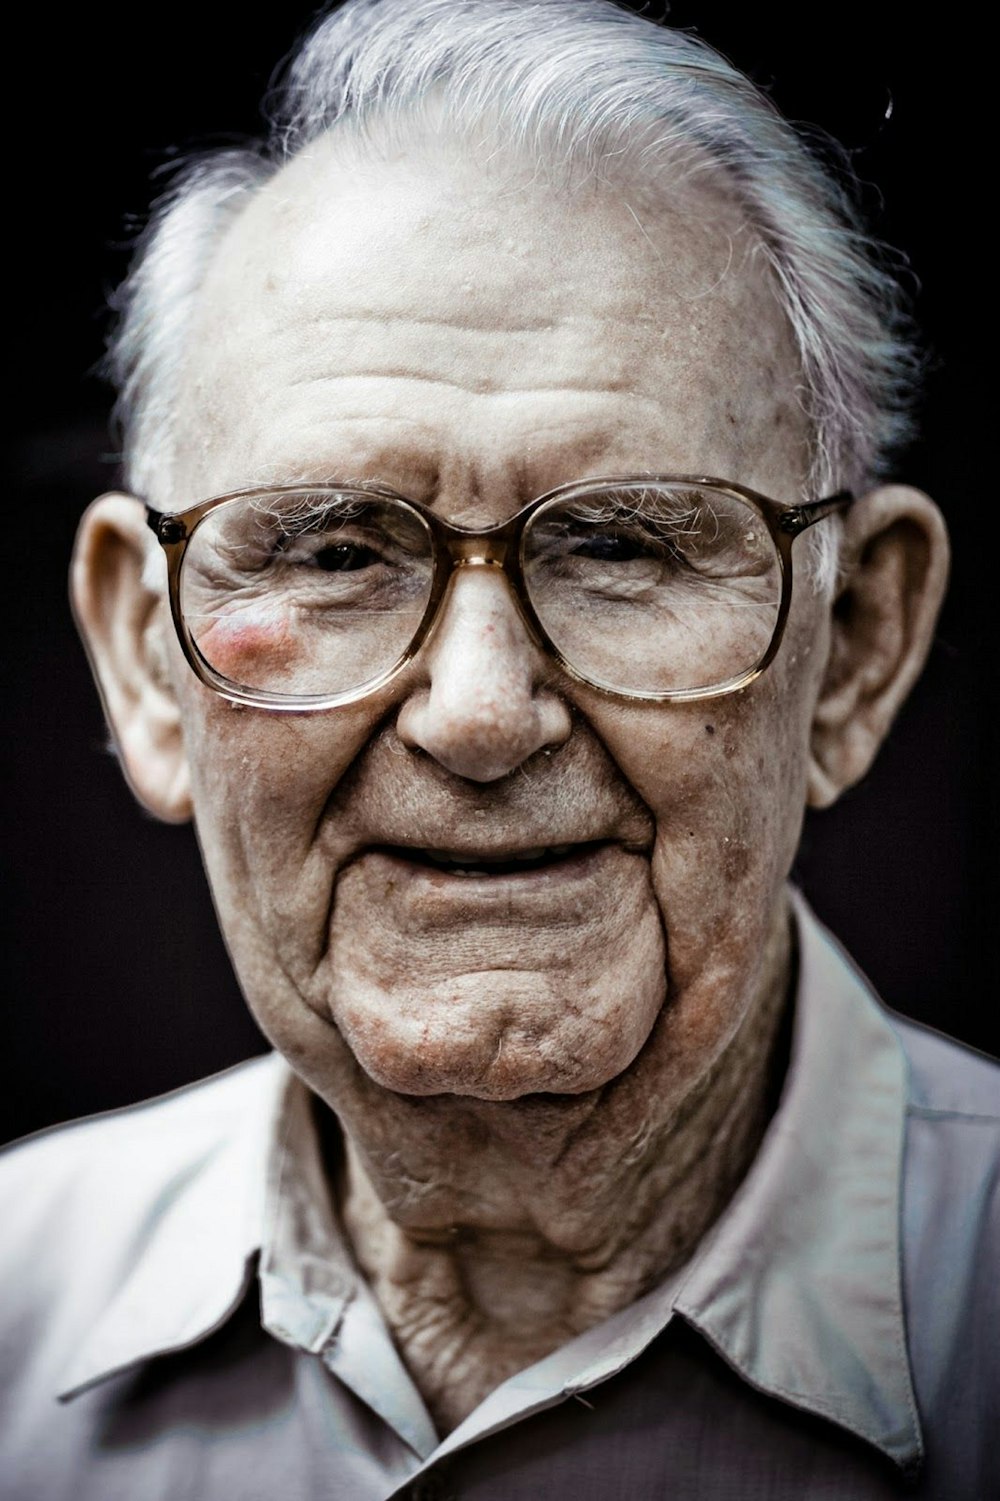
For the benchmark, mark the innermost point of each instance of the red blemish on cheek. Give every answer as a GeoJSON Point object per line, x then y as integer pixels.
{"type": "Point", "coordinates": [237, 644]}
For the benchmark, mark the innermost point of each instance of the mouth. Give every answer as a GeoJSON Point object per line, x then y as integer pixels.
{"type": "Point", "coordinates": [516, 862]}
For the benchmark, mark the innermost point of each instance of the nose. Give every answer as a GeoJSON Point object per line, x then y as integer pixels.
{"type": "Point", "coordinates": [483, 707]}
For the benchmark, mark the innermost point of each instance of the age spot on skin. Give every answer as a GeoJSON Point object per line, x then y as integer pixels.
{"type": "Point", "coordinates": [710, 729]}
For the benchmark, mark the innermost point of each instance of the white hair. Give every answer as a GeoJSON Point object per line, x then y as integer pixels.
{"type": "Point", "coordinates": [572, 83]}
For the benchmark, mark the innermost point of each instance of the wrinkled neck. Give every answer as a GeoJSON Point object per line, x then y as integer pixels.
{"type": "Point", "coordinates": [533, 1246]}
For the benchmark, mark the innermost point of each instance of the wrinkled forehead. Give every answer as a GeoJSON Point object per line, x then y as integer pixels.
{"type": "Point", "coordinates": [444, 272]}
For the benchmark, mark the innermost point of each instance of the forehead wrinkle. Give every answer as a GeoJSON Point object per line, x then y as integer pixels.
{"type": "Point", "coordinates": [384, 315]}
{"type": "Point", "coordinates": [426, 462]}
{"type": "Point", "coordinates": [454, 430]}
{"type": "Point", "coordinates": [558, 434]}
{"type": "Point", "coordinates": [573, 362]}
{"type": "Point", "coordinates": [586, 350]}
{"type": "Point", "coordinates": [482, 389]}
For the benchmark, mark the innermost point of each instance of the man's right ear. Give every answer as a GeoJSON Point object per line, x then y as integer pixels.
{"type": "Point", "coordinates": [123, 623]}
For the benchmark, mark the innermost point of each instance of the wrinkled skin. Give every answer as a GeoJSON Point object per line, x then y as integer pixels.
{"type": "Point", "coordinates": [475, 393]}
{"type": "Point", "coordinates": [549, 1085]}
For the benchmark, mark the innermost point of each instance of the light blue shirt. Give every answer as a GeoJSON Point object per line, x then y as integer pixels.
{"type": "Point", "coordinates": [183, 1318]}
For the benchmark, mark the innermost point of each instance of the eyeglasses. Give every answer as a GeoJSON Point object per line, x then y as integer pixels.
{"type": "Point", "coordinates": [309, 597]}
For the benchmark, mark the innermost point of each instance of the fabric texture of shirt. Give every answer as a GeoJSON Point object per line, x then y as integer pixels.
{"type": "Point", "coordinates": [183, 1319]}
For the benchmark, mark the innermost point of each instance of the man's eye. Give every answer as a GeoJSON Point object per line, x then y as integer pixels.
{"type": "Point", "coordinates": [344, 557]}
{"type": "Point", "coordinates": [615, 547]}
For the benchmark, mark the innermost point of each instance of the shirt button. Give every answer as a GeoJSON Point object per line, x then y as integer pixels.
{"type": "Point", "coordinates": [433, 1486]}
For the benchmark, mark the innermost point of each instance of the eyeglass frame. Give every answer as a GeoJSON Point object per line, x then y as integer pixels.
{"type": "Point", "coordinates": [499, 547]}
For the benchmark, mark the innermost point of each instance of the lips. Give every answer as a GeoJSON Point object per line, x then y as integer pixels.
{"type": "Point", "coordinates": [426, 898]}
{"type": "Point", "coordinates": [481, 863]}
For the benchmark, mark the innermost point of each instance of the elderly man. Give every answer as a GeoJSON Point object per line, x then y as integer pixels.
{"type": "Point", "coordinates": [475, 420]}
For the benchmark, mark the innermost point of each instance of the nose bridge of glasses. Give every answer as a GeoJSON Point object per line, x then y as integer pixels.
{"type": "Point", "coordinates": [486, 548]}
{"type": "Point", "coordinates": [490, 550]}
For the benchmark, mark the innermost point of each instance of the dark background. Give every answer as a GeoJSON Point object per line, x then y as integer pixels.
{"type": "Point", "coordinates": [118, 985]}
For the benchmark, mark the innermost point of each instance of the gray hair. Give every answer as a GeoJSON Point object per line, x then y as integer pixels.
{"type": "Point", "coordinates": [577, 82]}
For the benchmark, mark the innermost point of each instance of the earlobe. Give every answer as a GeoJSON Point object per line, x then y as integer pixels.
{"type": "Point", "coordinates": [895, 570]}
{"type": "Point", "coordinates": [123, 623]}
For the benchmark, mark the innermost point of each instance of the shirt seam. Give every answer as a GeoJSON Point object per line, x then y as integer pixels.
{"type": "Point", "coordinates": [943, 1112]}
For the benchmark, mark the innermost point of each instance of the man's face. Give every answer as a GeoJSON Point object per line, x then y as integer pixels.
{"type": "Point", "coordinates": [472, 340]}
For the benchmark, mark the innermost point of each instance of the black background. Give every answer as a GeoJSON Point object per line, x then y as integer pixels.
{"type": "Point", "coordinates": [118, 985]}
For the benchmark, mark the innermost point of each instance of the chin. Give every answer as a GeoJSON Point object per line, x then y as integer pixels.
{"type": "Point", "coordinates": [504, 1076]}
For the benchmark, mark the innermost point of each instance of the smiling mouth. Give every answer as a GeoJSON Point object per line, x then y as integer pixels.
{"type": "Point", "coordinates": [510, 863]}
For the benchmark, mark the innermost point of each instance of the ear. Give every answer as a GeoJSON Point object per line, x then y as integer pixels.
{"type": "Point", "coordinates": [894, 573]}
{"type": "Point", "coordinates": [123, 622]}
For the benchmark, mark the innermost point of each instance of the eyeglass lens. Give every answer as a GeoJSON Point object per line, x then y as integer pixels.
{"type": "Point", "coordinates": [642, 588]}
{"type": "Point", "coordinates": [654, 588]}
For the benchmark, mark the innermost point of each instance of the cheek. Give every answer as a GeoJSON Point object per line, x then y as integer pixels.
{"type": "Point", "coordinates": [725, 783]}
{"type": "Point", "coordinates": [262, 784]}
{"type": "Point", "coordinates": [249, 644]}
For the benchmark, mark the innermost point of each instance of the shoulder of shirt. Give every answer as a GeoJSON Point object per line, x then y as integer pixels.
{"type": "Point", "coordinates": [943, 1076]}
{"type": "Point", "coordinates": [947, 1077]}
{"type": "Point", "coordinates": [148, 1211]}
{"type": "Point", "coordinates": [203, 1104]}
{"type": "Point", "coordinates": [117, 1170]}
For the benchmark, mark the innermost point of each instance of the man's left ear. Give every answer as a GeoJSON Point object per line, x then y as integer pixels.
{"type": "Point", "coordinates": [894, 570]}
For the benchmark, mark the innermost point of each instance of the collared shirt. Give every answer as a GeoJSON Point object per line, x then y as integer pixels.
{"type": "Point", "coordinates": [184, 1319]}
